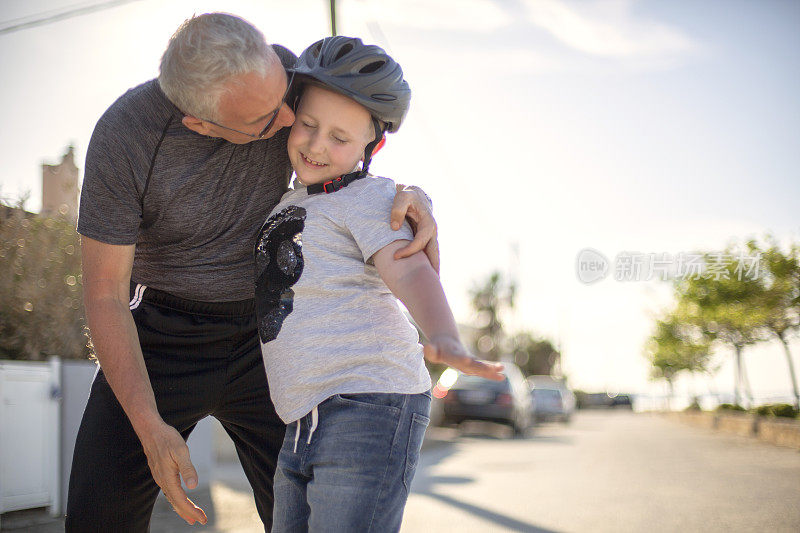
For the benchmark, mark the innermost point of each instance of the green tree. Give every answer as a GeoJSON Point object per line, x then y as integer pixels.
{"type": "Point", "coordinates": [781, 297]}
{"type": "Point", "coordinates": [41, 308]}
{"type": "Point", "coordinates": [489, 300]}
{"type": "Point", "coordinates": [535, 356]}
{"type": "Point", "coordinates": [727, 305]}
{"type": "Point", "coordinates": [678, 345]}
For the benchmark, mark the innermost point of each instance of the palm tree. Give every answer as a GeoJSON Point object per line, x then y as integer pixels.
{"type": "Point", "coordinates": [489, 301]}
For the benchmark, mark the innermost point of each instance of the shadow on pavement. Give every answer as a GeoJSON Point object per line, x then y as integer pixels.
{"type": "Point", "coordinates": [495, 432]}
{"type": "Point", "coordinates": [495, 518]}
{"type": "Point", "coordinates": [31, 520]}
{"type": "Point", "coordinates": [440, 444]}
{"type": "Point", "coordinates": [164, 519]}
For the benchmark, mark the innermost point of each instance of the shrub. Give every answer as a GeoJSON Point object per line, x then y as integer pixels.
{"type": "Point", "coordinates": [730, 407]}
{"type": "Point", "coordinates": [763, 410]}
{"type": "Point", "coordinates": [783, 410]}
{"type": "Point", "coordinates": [41, 308]}
{"type": "Point", "coordinates": [694, 406]}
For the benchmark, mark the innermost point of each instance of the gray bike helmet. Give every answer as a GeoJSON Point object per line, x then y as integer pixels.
{"type": "Point", "coordinates": [363, 72]}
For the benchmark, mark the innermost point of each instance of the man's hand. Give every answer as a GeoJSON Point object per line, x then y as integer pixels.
{"type": "Point", "coordinates": [412, 204]}
{"type": "Point", "coordinates": [449, 351]}
{"type": "Point", "coordinates": [168, 458]}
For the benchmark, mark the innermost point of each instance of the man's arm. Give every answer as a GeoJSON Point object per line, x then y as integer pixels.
{"type": "Point", "coordinates": [413, 204]}
{"type": "Point", "coordinates": [106, 290]}
{"type": "Point", "coordinates": [417, 285]}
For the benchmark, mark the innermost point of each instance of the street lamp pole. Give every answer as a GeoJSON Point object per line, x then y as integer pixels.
{"type": "Point", "coordinates": [333, 17]}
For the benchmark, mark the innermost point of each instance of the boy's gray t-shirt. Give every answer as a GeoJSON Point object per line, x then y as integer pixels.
{"type": "Point", "coordinates": [338, 329]}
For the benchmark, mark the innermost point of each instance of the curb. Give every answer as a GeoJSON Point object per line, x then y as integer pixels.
{"type": "Point", "coordinates": [785, 433]}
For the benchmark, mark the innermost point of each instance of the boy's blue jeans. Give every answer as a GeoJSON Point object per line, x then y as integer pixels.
{"type": "Point", "coordinates": [351, 470]}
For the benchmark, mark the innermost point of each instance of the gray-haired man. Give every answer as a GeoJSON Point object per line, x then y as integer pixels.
{"type": "Point", "coordinates": [180, 174]}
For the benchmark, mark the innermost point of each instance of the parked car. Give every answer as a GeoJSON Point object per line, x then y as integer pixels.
{"type": "Point", "coordinates": [475, 398]}
{"type": "Point", "coordinates": [604, 400]}
{"type": "Point", "coordinates": [550, 403]}
{"type": "Point", "coordinates": [622, 401]}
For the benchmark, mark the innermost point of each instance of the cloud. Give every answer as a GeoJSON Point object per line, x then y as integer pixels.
{"type": "Point", "coordinates": [481, 16]}
{"type": "Point", "coordinates": [607, 28]}
{"type": "Point", "coordinates": [467, 63]}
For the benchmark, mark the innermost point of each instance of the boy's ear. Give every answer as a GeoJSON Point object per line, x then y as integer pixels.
{"type": "Point", "coordinates": [379, 145]}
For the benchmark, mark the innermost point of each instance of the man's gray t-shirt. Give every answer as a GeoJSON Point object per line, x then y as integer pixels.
{"type": "Point", "coordinates": [191, 204]}
{"type": "Point", "coordinates": [337, 329]}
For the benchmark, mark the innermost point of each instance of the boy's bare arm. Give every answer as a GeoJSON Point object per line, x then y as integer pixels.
{"type": "Point", "coordinates": [414, 281]}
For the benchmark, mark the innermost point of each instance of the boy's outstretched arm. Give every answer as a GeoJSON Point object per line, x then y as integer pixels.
{"type": "Point", "coordinates": [413, 280]}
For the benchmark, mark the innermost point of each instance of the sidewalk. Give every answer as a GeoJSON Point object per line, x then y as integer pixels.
{"type": "Point", "coordinates": [228, 503]}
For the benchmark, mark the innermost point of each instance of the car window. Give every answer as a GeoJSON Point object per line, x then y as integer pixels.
{"type": "Point", "coordinates": [546, 394]}
{"type": "Point", "coordinates": [465, 381]}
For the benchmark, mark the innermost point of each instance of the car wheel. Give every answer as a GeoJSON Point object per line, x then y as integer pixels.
{"type": "Point", "coordinates": [518, 429]}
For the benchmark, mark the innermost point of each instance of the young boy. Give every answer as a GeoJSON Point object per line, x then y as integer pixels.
{"type": "Point", "coordinates": [344, 365]}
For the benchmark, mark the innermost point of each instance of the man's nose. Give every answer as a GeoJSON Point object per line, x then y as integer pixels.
{"type": "Point", "coordinates": [285, 116]}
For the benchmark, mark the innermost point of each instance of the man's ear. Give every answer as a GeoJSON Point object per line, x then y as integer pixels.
{"type": "Point", "coordinates": [196, 125]}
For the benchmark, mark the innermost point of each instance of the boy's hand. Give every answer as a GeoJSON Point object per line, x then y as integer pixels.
{"type": "Point", "coordinates": [411, 203]}
{"type": "Point", "coordinates": [451, 352]}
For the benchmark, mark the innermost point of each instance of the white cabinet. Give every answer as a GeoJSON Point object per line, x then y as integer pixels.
{"type": "Point", "coordinates": [29, 435]}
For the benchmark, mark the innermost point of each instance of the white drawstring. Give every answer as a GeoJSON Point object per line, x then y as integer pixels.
{"type": "Point", "coordinates": [314, 420]}
{"type": "Point", "coordinates": [296, 436]}
{"type": "Point", "coordinates": [311, 430]}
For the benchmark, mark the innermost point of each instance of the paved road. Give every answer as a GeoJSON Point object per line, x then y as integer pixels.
{"type": "Point", "coordinates": [606, 471]}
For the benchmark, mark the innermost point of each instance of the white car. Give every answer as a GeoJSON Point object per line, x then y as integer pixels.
{"type": "Point", "coordinates": [551, 399]}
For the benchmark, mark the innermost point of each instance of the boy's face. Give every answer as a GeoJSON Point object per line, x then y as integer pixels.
{"type": "Point", "coordinates": [328, 136]}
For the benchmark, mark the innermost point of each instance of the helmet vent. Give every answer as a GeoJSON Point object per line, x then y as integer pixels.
{"type": "Point", "coordinates": [384, 97]}
{"type": "Point", "coordinates": [343, 51]}
{"type": "Point", "coordinates": [317, 47]}
{"type": "Point", "coordinates": [372, 67]}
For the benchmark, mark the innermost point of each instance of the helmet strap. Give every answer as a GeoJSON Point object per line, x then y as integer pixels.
{"type": "Point", "coordinates": [371, 146]}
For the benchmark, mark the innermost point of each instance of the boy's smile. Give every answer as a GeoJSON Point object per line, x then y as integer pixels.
{"type": "Point", "coordinates": [329, 135]}
{"type": "Point", "coordinates": [311, 162]}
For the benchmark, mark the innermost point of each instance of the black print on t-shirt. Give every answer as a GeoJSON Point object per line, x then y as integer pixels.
{"type": "Point", "coordinates": [279, 264]}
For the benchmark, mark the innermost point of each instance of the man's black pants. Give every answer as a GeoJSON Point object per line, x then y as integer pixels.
{"type": "Point", "coordinates": [203, 359]}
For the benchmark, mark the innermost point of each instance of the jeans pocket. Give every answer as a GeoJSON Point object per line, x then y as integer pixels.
{"type": "Point", "coordinates": [374, 401]}
{"type": "Point", "coordinates": [419, 423]}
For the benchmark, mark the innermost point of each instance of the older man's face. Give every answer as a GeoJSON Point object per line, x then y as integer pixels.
{"type": "Point", "coordinates": [250, 103]}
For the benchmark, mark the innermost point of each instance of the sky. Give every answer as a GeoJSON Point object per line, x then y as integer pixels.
{"type": "Point", "coordinates": [540, 128]}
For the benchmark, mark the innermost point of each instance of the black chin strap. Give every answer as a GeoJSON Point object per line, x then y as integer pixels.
{"type": "Point", "coordinates": [336, 184]}
{"type": "Point", "coordinates": [371, 146]}
{"type": "Point", "coordinates": [343, 181]}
